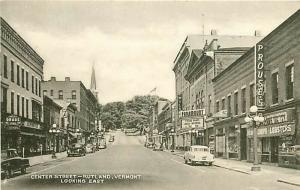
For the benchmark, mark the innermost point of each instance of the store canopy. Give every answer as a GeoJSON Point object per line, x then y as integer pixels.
{"type": "Point", "coordinates": [32, 134]}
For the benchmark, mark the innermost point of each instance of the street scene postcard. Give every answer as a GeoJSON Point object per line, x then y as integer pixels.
{"type": "Point", "coordinates": [150, 95]}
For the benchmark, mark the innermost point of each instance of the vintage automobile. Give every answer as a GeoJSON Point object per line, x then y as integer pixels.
{"type": "Point", "coordinates": [157, 147]}
{"type": "Point", "coordinates": [111, 138]}
{"type": "Point", "coordinates": [90, 148]}
{"type": "Point", "coordinates": [102, 144]}
{"type": "Point", "coordinates": [76, 149]}
{"type": "Point", "coordinates": [198, 155]}
{"type": "Point", "coordinates": [11, 162]}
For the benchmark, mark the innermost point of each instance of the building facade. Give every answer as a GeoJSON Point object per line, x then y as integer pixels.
{"type": "Point", "coordinates": [74, 92]}
{"type": "Point", "coordinates": [21, 97]}
{"type": "Point", "coordinates": [236, 90]}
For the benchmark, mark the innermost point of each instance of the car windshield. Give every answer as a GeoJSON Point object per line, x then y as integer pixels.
{"type": "Point", "coordinates": [76, 145]}
{"type": "Point", "coordinates": [200, 149]}
{"type": "Point", "coordinates": [12, 153]}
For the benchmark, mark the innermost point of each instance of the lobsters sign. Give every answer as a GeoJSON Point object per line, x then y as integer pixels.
{"type": "Point", "coordinates": [259, 76]}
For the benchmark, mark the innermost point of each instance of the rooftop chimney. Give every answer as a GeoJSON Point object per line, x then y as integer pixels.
{"type": "Point", "coordinates": [53, 79]}
{"type": "Point", "coordinates": [257, 33]}
{"type": "Point", "coordinates": [67, 79]}
{"type": "Point", "coordinates": [213, 32]}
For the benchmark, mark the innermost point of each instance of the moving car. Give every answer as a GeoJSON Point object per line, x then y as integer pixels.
{"type": "Point", "coordinates": [102, 144]}
{"type": "Point", "coordinates": [111, 138]}
{"type": "Point", "coordinates": [11, 162]}
{"type": "Point", "coordinates": [90, 148]}
{"type": "Point", "coordinates": [76, 150]}
{"type": "Point", "coordinates": [198, 155]}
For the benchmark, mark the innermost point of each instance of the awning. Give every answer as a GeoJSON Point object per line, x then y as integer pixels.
{"type": "Point", "coordinates": [32, 134]}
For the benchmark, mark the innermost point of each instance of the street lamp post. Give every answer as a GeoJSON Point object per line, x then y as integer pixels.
{"type": "Point", "coordinates": [254, 118]}
{"type": "Point", "coordinates": [53, 131]}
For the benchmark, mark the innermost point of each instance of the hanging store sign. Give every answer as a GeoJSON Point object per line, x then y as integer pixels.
{"type": "Point", "coordinates": [259, 76]}
{"type": "Point", "coordinates": [192, 113]}
{"type": "Point", "coordinates": [193, 123]}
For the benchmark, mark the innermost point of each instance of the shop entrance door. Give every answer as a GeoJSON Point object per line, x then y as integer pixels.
{"type": "Point", "coordinates": [243, 144]}
{"type": "Point", "coordinates": [274, 149]}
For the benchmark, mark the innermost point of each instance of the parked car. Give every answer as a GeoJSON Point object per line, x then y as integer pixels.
{"type": "Point", "coordinates": [111, 138]}
{"type": "Point", "coordinates": [76, 150]}
{"type": "Point", "coordinates": [102, 144]}
{"type": "Point", "coordinates": [11, 162]}
{"type": "Point", "coordinates": [198, 155]}
{"type": "Point", "coordinates": [90, 148]}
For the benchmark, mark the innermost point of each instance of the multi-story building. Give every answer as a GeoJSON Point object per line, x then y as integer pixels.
{"type": "Point", "coordinates": [201, 58]}
{"type": "Point", "coordinates": [164, 120]}
{"type": "Point", "coordinates": [21, 100]}
{"type": "Point", "coordinates": [236, 90]}
{"type": "Point", "coordinates": [76, 93]}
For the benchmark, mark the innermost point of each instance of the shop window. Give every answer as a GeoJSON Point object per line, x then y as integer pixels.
{"type": "Point", "coordinates": [243, 100]}
{"type": "Point", "coordinates": [275, 79]}
{"type": "Point", "coordinates": [236, 104]}
{"type": "Point", "coordinates": [60, 94]}
{"type": "Point", "coordinates": [252, 96]}
{"type": "Point", "coordinates": [12, 71]}
{"type": "Point", "coordinates": [73, 94]}
{"type": "Point", "coordinates": [18, 75]}
{"type": "Point", "coordinates": [5, 66]}
{"type": "Point", "coordinates": [289, 81]}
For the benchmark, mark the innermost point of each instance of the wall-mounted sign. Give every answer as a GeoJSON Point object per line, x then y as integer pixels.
{"type": "Point", "coordinates": [32, 125]}
{"type": "Point", "coordinates": [273, 130]}
{"type": "Point", "coordinates": [193, 123]}
{"type": "Point", "coordinates": [192, 113]}
{"type": "Point", "coordinates": [259, 77]}
{"type": "Point", "coordinates": [281, 116]}
{"type": "Point", "coordinates": [13, 122]}
{"type": "Point", "coordinates": [221, 114]}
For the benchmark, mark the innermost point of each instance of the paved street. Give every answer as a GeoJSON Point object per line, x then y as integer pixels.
{"type": "Point", "coordinates": [158, 170]}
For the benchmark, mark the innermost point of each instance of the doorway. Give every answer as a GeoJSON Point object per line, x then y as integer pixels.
{"type": "Point", "coordinates": [243, 144]}
{"type": "Point", "coordinates": [274, 149]}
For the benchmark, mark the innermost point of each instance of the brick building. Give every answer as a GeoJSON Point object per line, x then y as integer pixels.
{"type": "Point", "coordinates": [21, 100]}
{"type": "Point", "coordinates": [76, 93]}
{"type": "Point", "coordinates": [235, 91]}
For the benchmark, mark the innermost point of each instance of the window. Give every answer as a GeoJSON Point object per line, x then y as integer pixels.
{"type": "Point", "coordinates": [252, 97]}
{"type": "Point", "coordinates": [73, 94]}
{"type": "Point", "coordinates": [229, 105]}
{"type": "Point", "coordinates": [23, 78]}
{"type": "Point", "coordinates": [5, 66]}
{"type": "Point", "coordinates": [51, 92]}
{"type": "Point", "coordinates": [243, 100]}
{"type": "Point", "coordinates": [12, 71]}
{"type": "Point", "coordinates": [18, 104]}
{"type": "Point", "coordinates": [23, 107]}
{"type": "Point", "coordinates": [217, 106]}
{"type": "Point", "coordinates": [60, 94]}
{"type": "Point", "coordinates": [18, 75]}
{"type": "Point", "coordinates": [3, 100]}
{"type": "Point", "coordinates": [44, 92]}
{"type": "Point", "coordinates": [275, 79]}
{"type": "Point", "coordinates": [27, 86]}
{"type": "Point", "coordinates": [32, 84]}
{"type": "Point", "coordinates": [289, 81]}
{"type": "Point", "coordinates": [36, 86]}
{"type": "Point", "coordinates": [12, 102]}
{"type": "Point", "coordinates": [201, 99]}
{"type": "Point", "coordinates": [36, 111]}
{"type": "Point", "coordinates": [223, 104]}
{"type": "Point", "coordinates": [27, 113]}
{"type": "Point", "coordinates": [39, 88]}
{"type": "Point", "coordinates": [236, 104]}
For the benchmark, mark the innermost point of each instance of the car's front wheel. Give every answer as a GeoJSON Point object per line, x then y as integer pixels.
{"type": "Point", "coordinates": [8, 173]}
{"type": "Point", "coordinates": [23, 170]}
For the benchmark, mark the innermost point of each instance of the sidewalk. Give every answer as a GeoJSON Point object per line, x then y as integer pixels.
{"type": "Point", "coordinates": [46, 158]}
{"type": "Point", "coordinates": [284, 175]}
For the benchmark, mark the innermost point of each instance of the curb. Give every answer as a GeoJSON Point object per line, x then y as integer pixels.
{"type": "Point", "coordinates": [287, 182]}
{"type": "Point", "coordinates": [48, 161]}
{"type": "Point", "coordinates": [232, 169]}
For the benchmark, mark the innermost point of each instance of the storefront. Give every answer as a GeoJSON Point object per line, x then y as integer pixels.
{"type": "Point", "coordinates": [276, 136]}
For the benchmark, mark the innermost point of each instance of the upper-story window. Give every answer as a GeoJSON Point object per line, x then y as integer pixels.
{"type": "Point", "coordinates": [209, 104]}
{"type": "Point", "coordinates": [12, 71]}
{"type": "Point", "coordinates": [36, 86]}
{"type": "Point", "coordinates": [23, 78]}
{"type": "Point", "coordinates": [32, 84]}
{"type": "Point", "coordinates": [201, 99]}
{"type": "Point", "coordinates": [290, 81]}
{"type": "Point", "coordinates": [60, 94]}
{"type": "Point", "coordinates": [229, 105]}
{"type": "Point", "coordinates": [252, 97]}
{"type": "Point", "coordinates": [27, 85]}
{"type": "Point", "coordinates": [51, 92]}
{"type": "Point", "coordinates": [44, 92]}
{"type": "Point", "coordinates": [73, 94]}
{"type": "Point", "coordinates": [18, 75]}
{"type": "Point", "coordinates": [39, 88]}
{"type": "Point", "coordinates": [223, 104]}
{"type": "Point", "coordinates": [275, 79]}
{"type": "Point", "coordinates": [243, 100]}
{"type": "Point", "coordinates": [5, 66]}
{"type": "Point", "coordinates": [236, 104]}
{"type": "Point", "coordinates": [217, 106]}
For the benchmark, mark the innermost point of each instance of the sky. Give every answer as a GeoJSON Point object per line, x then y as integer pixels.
{"type": "Point", "coordinates": [132, 44]}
